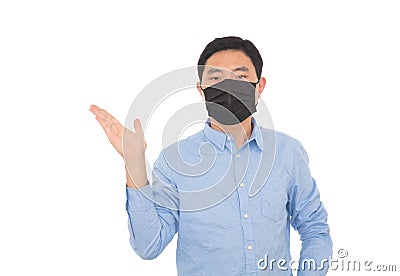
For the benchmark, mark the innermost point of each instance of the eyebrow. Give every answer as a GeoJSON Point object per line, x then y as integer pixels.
{"type": "Point", "coordinates": [243, 69]}
{"type": "Point", "coordinates": [214, 70]}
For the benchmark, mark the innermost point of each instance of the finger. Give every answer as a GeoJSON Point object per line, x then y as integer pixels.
{"type": "Point", "coordinates": [94, 109]}
{"type": "Point", "coordinates": [107, 121]}
{"type": "Point", "coordinates": [98, 111]}
{"type": "Point", "coordinates": [115, 125]}
{"type": "Point", "coordinates": [102, 113]}
{"type": "Point", "coordinates": [107, 117]}
{"type": "Point", "coordinates": [138, 126]}
{"type": "Point", "coordinates": [106, 127]}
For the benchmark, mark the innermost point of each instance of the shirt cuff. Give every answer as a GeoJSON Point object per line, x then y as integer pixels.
{"type": "Point", "coordinates": [139, 199]}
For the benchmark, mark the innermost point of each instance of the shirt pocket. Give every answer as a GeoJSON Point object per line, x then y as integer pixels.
{"type": "Point", "coordinates": [274, 200]}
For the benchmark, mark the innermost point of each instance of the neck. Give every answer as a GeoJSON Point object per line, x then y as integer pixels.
{"type": "Point", "coordinates": [241, 132]}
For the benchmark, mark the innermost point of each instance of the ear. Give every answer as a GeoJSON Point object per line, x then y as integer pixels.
{"type": "Point", "coordinates": [261, 85]}
{"type": "Point", "coordinates": [198, 86]}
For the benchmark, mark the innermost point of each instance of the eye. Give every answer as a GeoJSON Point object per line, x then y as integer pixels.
{"type": "Point", "coordinates": [240, 77]}
{"type": "Point", "coordinates": [215, 78]}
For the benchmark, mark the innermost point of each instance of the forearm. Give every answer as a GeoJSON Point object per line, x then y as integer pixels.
{"type": "Point", "coordinates": [151, 227]}
{"type": "Point", "coordinates": [315, 255]}
{"type": "Point", "coordinates": [314, 231]}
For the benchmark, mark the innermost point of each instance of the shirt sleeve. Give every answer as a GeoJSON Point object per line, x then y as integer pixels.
{"type": "Point", "coordinates": [309, 218]}
{"type": "Point", "coordinates": [153, 212]}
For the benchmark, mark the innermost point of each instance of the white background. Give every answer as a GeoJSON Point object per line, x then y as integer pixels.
{"type": "Point", "coordinates": [332, 72]}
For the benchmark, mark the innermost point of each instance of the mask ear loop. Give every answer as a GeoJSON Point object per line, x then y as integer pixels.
{"type": "Point", "coordinates": [255, 84]}
{"type": "Point", "coordinates": [201, 86]}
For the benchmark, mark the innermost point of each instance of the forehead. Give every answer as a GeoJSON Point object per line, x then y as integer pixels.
{"type": "Point", "coordinates": [230, 59]}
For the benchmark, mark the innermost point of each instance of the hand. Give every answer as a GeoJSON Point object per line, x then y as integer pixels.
{"type": "Point", "coordinates": [134, 142]}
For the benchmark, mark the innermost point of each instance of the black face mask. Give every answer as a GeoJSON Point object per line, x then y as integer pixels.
{"type": "Point", "coordinates": [230, 101]}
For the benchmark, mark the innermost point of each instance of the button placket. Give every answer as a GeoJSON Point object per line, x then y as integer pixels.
{"type": "Point", "coordinates": [240, 163]}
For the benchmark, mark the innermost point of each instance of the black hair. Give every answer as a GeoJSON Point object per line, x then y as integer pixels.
{"type": "Point", "coordinates": [230, 43]}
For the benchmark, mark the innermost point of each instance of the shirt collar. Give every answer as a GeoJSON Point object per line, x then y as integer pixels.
{"type": "Point", "coordinates": [256, 134]}
{"type": "Point", "coordinates": [219, 138]}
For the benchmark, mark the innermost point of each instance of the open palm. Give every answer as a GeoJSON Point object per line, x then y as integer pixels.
{"type": "Point", "coordinates": [127, 143]}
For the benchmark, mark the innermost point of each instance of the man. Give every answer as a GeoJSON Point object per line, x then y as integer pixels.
{"type": "Point", "coordinates": [237, 232]}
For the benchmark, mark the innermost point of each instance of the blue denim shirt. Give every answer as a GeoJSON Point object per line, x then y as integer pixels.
{"type": "Point", "coordinates": [235, 232]}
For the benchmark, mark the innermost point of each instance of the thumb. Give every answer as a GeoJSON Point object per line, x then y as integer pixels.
{"type": "Point", "coordinates": [138, 126]}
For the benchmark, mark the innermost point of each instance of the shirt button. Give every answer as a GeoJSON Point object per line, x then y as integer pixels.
{"type": "Point", "coordinates": [246, 215]}
{"type": "Point", "coordinates": [238, 155]}
{"type": "Point", "coordinates": [241, 184]}
{"type": "Point", "coordinates": [249, 247]}
{"type": "Point", "coordinates": [229, 138]}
